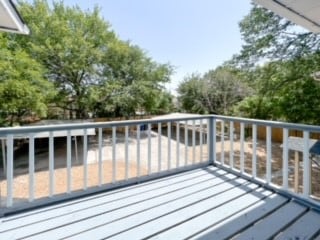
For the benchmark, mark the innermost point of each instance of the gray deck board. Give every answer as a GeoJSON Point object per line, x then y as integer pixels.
{"type": "Point", "coordinates": [304, 228]}
{"type": "Point", "coordinates": [123, 206]}
{"type": "Point", "coordinates": [137, 227]}
{"type": "Point", "coordinates": [109, 203]}
{"type": "Point", "coordinates": [212, 212]}
{"type": "Point", "coordinates": [124, 218]}
{"type": "Point", "coordinates": [207, 203]}
{"type": "Point", "coordinates": [222, 224]}
{"type": "Point", "coordinates": [86, 202]}
{"type": "Point", "coordinates": [273, 223]}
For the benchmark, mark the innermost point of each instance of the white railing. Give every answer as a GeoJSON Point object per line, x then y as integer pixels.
{"type": "Point", "coordinates": [283, 156]}
{"type": "Point", "coordinates": [66, 160]}
{"type": "Point", "coordinates": [63, 161]}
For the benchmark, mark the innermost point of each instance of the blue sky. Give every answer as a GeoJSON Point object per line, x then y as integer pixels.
{"type": "Point", "coordinates": [192, 35]}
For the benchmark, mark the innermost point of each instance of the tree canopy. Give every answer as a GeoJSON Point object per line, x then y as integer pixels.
{"type": "Point", "coordinates": [70, 44]}
{"type": "Point", "coordinates": [282, 92]}
{"type": "Point", "coordinates": [77, 54]}
{"type": "Point", "coordinates": [23, 90]}
{"type": "Point", "coordinates": [215, 92]}
{"type": "Point", "coordinates": [73, 61]}
{"type": "Point", "coordinates": [131, 80]}
{"type": "Point", "coordinates": [278, 59]}
{"type": "Point", "coordinates": [270, 78]}
{"type": "Point", "coordinates": [269, 37]}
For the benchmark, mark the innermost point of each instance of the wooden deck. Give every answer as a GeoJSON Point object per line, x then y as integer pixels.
{"type": "Point", "coordinates": [207, 203]}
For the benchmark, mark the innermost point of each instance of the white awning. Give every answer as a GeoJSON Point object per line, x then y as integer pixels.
{"type": "Point", "coordinates": [305, 13]}
{"type": "Point", "coordinates": [10, 19]}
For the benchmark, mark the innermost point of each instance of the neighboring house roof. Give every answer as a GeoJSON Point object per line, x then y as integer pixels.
{"type": "Point", "coordinates": [10, 19]}
{"type": "Point", "coordinates": [304, 13]}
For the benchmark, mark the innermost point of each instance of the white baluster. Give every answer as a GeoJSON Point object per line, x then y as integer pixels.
{"type": "Point", "coordinates": [186, 142]}
{"type": "Point", "coordinates": [231, 156]}
{"type": "Point", "coordinates": [178, 145]}
{"type": "Point", "coordinates": [285, 157]}
{"type": "Point", "coordinates": [269, 146]}
{"type": "Point", "coordinates": [69, 175]}
{"type": "Point", "coordinates": [254, 150]}
{"type": "Point", "coordinates": [114, 162]}
{"type": "Point", "coordinates": [242, 147]}
{"type": "Point", "coordinates": [100, 156]}
{"type": "Point", "coordinates": [306, 165]}
{"type": "Point", "coordinates": [159, 147]}
{"type": "Point", "coordinates": [85, 159]}
{"type": "Point", "coordinates": [169, 145]}
{"type": "Point", "coordinates": [193, 141]}
{"type": "Point", "coordinates": [10, 189]}
{"type": "Point", "coordinates": [149, 148]}
{"type": "Point", "coordinates": [51, 164]}
{"type": "Point", "coordinates": [138, 151]}
{"type": "Point", "coordinates": [201, 140]}
{"type": "Point", "coordinates": [31, 167]}
{"type": "Point", "coordinates": [222, 142]}
{"type": "Point", "coordinates": [127, 152]}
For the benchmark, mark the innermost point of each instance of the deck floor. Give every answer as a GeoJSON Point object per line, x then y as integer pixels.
{"type": "Point", "coordinates": [207, 203]}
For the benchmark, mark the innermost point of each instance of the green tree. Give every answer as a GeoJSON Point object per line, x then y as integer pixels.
{"type": "Point", "coordinates": [279, 59]}
{"type": "Point", "coordinates": [70, 44]}
{"type": "Point", "coordinates": [268, 36]}
{"type": "Point", "coordinates": [283, 91]}
{"type": "Point", "coordinates": [23, 90]}
{"type": "Point", "coordinates": [216, 92]}
{"type": "Point", "coordinates": [190, 94]}
{"type": "Point", "coordinates": [131, 81]}
{"type": "Point", "coordinates": [164, 103]}
{"type": "Point", "coordinates": [92, 69]}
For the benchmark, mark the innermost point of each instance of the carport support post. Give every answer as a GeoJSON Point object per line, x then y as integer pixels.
{"type": "Point", "coordinates": [212, 140]}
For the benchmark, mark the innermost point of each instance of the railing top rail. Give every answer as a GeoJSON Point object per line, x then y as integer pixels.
{"type": "Point", "coordinates": [63, 127]}
{"type": "Point", "coordinates": [275, 124]}
{"type": "Point", "coordinates": [74, 126]}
